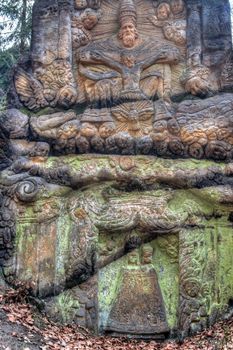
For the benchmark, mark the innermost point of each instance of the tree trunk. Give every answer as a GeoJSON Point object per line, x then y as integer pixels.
{"type": "Point", "coordinates": [23, 27]}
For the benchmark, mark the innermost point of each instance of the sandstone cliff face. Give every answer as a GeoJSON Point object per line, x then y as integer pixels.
{"type": "Point", "coordinates": [116, 180]}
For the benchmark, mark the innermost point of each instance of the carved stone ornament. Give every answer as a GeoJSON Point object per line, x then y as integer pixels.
{"type": "Point", "coordinates": [116, 173]}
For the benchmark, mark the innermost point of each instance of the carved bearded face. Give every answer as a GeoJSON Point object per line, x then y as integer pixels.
{"type": "Point", "coordinates": [128, 34]}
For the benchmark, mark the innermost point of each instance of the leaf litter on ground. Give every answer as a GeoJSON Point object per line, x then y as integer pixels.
{"type": "Point", "coordinates": [72, 337]}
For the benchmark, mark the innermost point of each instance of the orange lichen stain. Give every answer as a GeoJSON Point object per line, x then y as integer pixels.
{"type": "Point", "coordinates": [46, 259]}
{"type": "Point", "coordinates": [27, 258]}
{"type": "Point", "coordinates": [47, 242]}
{"type": "Point", "coordinates": [38, 159]}
{"type": "Point", "coordinates": [126, 163]}
{"type": "Point", "coordinates": [80, 213]}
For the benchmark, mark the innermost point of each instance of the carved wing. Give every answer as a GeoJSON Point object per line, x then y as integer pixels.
{"type": "Point", "coordinates": [30, 90]}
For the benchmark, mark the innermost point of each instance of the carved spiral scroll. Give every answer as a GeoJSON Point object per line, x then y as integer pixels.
{"type": "Point", "coordinates": [27, 190]}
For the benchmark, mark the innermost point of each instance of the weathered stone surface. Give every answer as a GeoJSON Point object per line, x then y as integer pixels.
{"type": "Point", "coordinates": [116, 185]}
{"type": "Point", "coordinates": [193, 128]}
{"type": "Point", "coordinates": [124, 88]}
{"type": "Point", "coordinates": [67, 231]}
{"type": "Point", "coordinates": [15, 124]}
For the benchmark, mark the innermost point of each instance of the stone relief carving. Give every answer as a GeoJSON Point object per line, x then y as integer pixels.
{"type": "Point", "coordinates": [125, 57]}
{"type": "Point", "coordinates": [137, 82]}
{"type": "Point", "coordinates": [196, 78]}
{"type": "Point", "coordinates": [54, 85]}
{"type": "Point", "coordinates": [124, 84]}
{"type": "Point", "coordinates": [82, 25]}
{"type": "Point", "coordinates": [54, 206]}
{"type": "Point", "coordinates": [199, 129]}
{"type": "Point", "coordinates": [226, 79]}
{"type": "Point", "coordinates": [139, 283]}
{"type": "Point", "coordinates": [171, 18]}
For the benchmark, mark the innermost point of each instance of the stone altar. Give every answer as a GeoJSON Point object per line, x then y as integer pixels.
{"type": "Point", "coordinates": [116, 165]}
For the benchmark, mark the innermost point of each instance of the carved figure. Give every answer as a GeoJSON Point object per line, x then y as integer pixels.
{"type": "Point", "coordinates": [126, 57]}
{"type": "Point", "coordinates": [48, 125]}
{"type": "Point", "coordinates": [50, 85]}
{"type": "Point", "coordinates": [163, 11]}
{"type": "Point", "coordinates": [176, 32]}
{"type": "Point", "coordinates": [81, 26]}
{"type": "Point", "coordinates": [58, 84]}
{"type": "Point", "coordinates": [135, 119]}
{"type": "Point", "coordinates": [114, 86]}
{"type": "Point", "coordinates": [30, 90]}
{"type": "Point", "coordinates": [128, 18]}
{"type": "Point", "coordinates": [172, 23]}
{"type": "Point", "coordinates": [31, 149]}
{"type": "Point", "coordinates": [196, 76]}
{"type": "Point", "coordinates": [226, 79]}
{"type": "Point", "coordinates": [138, 308]}
{"type": "Point", "coordinates": [81, 4]}
{"type": "Point", "coordinates": [178, 8]}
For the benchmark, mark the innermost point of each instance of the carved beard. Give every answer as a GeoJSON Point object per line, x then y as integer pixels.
{"type": "Point", "coordinates": [128, 39]}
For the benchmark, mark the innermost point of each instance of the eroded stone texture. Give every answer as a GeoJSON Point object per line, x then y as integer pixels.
{"type": "Point", "coordinates": [116, 174]}
{"type": "Point", "coordinates": [121, 69]}
{"type": "Point", "coordinates": [81, 222]}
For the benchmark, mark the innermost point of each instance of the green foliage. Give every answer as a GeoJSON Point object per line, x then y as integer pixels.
{"type": "Point", "coordinates": [66, 307]}
{"type": "Point", "coordinates": [16, 24]}
{"type": "Point", "coordinates": [3, 102]}
{"type": "Point", "coordinates": [15, 33]}
{"type": "Point", "coordinates": [8, 59]}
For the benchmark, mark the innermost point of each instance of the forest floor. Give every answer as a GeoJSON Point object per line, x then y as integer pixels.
{"type": "Point", "coordinates": [23, 328]}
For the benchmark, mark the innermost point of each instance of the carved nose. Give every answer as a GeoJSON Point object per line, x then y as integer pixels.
{"type": "Point", "coordinates": [135, 127]}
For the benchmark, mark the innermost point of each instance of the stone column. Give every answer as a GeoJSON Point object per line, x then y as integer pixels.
{"type": "Point", "coordinates": [194, 28]}
{"type": "Point", "coordinates": [65, 41]}
{"type": "Point", "coordinates": [216, 19]}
